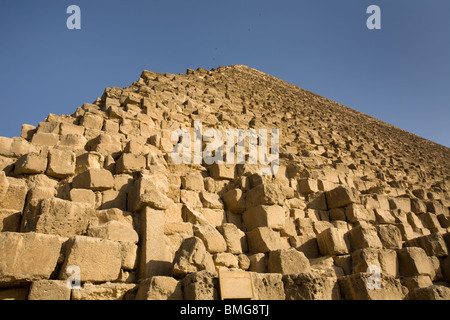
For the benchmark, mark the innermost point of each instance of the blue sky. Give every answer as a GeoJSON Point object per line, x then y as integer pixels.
{"type": "Point", "coordinates": [399, 74]}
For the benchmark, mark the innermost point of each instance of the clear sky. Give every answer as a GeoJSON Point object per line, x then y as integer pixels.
{"type": "Point", "coordinates": [399, 74]}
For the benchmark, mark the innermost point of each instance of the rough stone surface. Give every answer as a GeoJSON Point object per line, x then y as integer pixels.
{"type": "Point", "coordinates": [101, 189]}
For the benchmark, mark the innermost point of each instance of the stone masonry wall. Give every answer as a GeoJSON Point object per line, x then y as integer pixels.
{"type": "Point", "coordinates": [96, 194]}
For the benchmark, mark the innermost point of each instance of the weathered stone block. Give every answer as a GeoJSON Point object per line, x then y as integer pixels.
{"type": "Point", "coordinates": [268, 286]}
{"type": "Point", "coordinates": [357, 212]}
{"type": "Point", "coordinates": [235, 238]}
{"type": "Point", "coordinates": [264, 216]}
{"type": "Point", "coordinates": [61, 163]}
{"type": "Point", "coordinates": [105, 291]}
{"type": "Point", "coordinates": [49, 290]}
{"type": "Point", "coordinates": [202, 285]}
{"type": "Point", "coordinates": [414, 261]}
{"type": "Point", "coordinates": [99, 260]}
{"type": "Point", "coordinates": [160, 288]}
{"type": "Point", "coordinates": [60, 217]}
{"type": "Point", "coordinates": [333, 241]}
{"type": "Point", "coordinates": [234, 201]}
{"type": "Point", "coordinates": [94, 179]}
{"type": "Point", "coordinates": [267, 194]}
{"type": "Point", "coordinates": [433, 244]}
{"type": "Point", "coordinates": [263, 239]}
{"type": "Point", "coordinates": [10, 220]}
{"type": "Point", "coordinates": [192, 257]}
{"type": "Point", "coordinates": [434, 292]}
{"type": "Point", "coordinates": [341, 197]}
{"type": "Point", "coordinates": [354, 287]}
{"type": "Point", "coordinates": [222, 171]}
{"type": "Point", "coordinates": [364, 237]}
{"type": "Point", "coordinates": [390, 236]}
{"type": "Point", "coordinates": [130, 163]}
{"type": "Point", "coordinates": [311, 286]}
{"type": "Point", "coordinates": [152, 247]}
{"type": "Point", "coordinates": [211, 237]}
{"type": "Point", "coordinates": [193, 181]}
{"type": "Point", "coordinates": [31, 163]}
{"type": "Point", "coordinates": [114, 230]}
{"type": "Point", "coordinates": [288, 261]}
{"type": "Point", "coordinates": [27, 256]}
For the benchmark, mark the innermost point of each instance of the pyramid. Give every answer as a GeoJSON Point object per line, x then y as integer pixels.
{"type": "Point", "coordinates": [156, 190]}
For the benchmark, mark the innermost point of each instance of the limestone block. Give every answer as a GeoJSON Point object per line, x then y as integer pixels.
{"type": "Point", "coordinates": [434, 292]}
{"type": "Point", "coordinates": [364, 237]}
{"type": "Point", "coordinates": [211, 200]}
{"type": "Point", "coordinates": [59, 217]}
{"type": "Point", "coordinates": [341, 197]}
{"type": "Point", "coordinates": [264, 216]}
{"type": "Point", "coordinates": [244, 261]}
{"type": "Point", "coordinates": [68, 128]}
{"type": "Point", "coordinates": [234, 201]}
{"type": "Point", "coordinates": [113, 230]}
{"type": "Point", "coordinates": [152, 247]}
{"type": "Point", "coordinates": [27, 256]}
{"type": "Point", "coordinates": [129, 255]}
{"type": "Point", "coordinates": [49, 290]}
{"type": "Point", "coordinates": [99, 260]}
{"type": "Point", "coordinates": [390, 236]}
{"type": "Point", "coordinates": [211, 237]}
{"type": "Point", "coordinates": [222, 171]}
{"type": "Point", "coordinates": [268, 286]}
{"type": "Point", "coordinates": [202, 285]}
{"type": "Point", "coordinates": [433, 244]}
{"type": "Point", "coordinates": [311, 286]}
{"type": "Point", "coordinates": [72, 141]}
{"type": "Point", "coordinates": [105, 144]}
{"type": "Point", "coordinates": [263, 239]}
{"type": "Point", "coordinates": [114, 199]}
{"type": "Point", "coordinates": [333, 241]}
{"type": "Point", "coordinates": [153, 199]}
{"type": "Point", "coordinates": [403, 204]}
{"type": "Point", "coordinates": [414, 261]}
{"type": "Point", "coordinates": [235, 238]}
{"type": "Point", "coordinates": [193, 181]}
{"type": "Point", "coordinates": [191, 198]}
{"type": "Point", "coordinates": [104, 291]}
{"type": "Point", "coordinates": [94, 179]}
{"type": "Point", "coordinates": [130, 163]}
{"type": "Point", "coordinates": [307, 186]}
{"type": "Point", "coordinates": [83, 195]}
{"type": "Point", "coordinates": [418, 206]}
{"type": "Point", "coordinates": [307, 244]}
{"type": "Point", "coordinates": [4, 185]}
{"type": "Point", "coordinates": [27, 131]}
{"type": "Point", "coordinates": [89, 160]}
{"type": "Point", "coordinates": [45, 139]}
{"type": "Point", "coordinates": [384, 216]}
{"type": "Point", "coordinates": [357, 212]}
{"type": "Point", "coordinates": [31, 163]}
{"type": "Point", "coordinates": [354, 287]}
{"type": "Point", "coordinates": [267, 194]}
{"type": "Point", "coordinates": [92, 121]}
{"type": "Point", "coordinates": [160, 288]}
{"type": "Point", "coordinates": [317, 201]}
{"type": "Point", "coordinates": [61, 163]}
{"type": "Point", "coordinates": [413, 283]}
{"type": "Point", "coordinates": [10, 220]}
{"type": "Point", "coordinates": [192, 257]}
{"type": "Point", "coordinates": [288, 261]}
{"type": "Point", "coordinates": [215, 217]}
{"type": "Point", "coordinates": [385, 259]}
{"type": "Point", "coordinates": [258, 262]}
{"type": "Point", "coordinates": [225, 259]}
